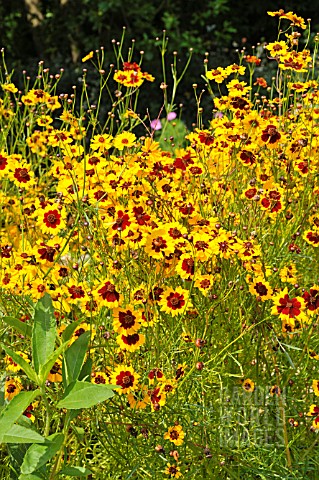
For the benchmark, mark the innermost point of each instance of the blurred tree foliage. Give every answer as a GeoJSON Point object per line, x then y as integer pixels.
{"type": "Point", "coordinates": [60, 32]}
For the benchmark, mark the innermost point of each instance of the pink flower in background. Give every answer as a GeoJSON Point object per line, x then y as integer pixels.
{"type": "Point", "coordinates": [156, 124]}
{"type": "Point", "coordinates": [171, 116]}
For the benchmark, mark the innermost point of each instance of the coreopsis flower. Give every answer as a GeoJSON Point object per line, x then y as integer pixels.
{"type": "Point", "coordinates": [124, 139]}
{"type": "Point", "coordinates": [175, 435]}
{"type": "Point", "coordinates": [51, 219]}
{"type": "Point", "coordinates": [261, 289]}
{"type": "Point", "coordinates": [100, 378]}
{"type": "Point", "coordinates": [28, 411]}
{"type": "Point", "coordinates": [11, 365]}
{"type": "Point", "coordinates": [55, 374]}
{"type": "Point", "coordinates": [312, 300]}
{"type": "Point", "coordinates": [12, 387]}
{"type": "Point", "coordinates": [156, 374]}
{"type": "Point", "coordinates": [312, 237]}
{"type": "Point", "coordinates": [313, 411]}
{"type": "Point", "coordinates": [204, 283]}
{"type": "Point", "coordinates": [101, 142]}
{"type": "Point", "coordinates": [315, 386]}
{"type": "Point", "coordinates": [107, 295]}
{"type": "Point", "coordinates": [237, 88]}
{"type": "Point", "coordinates": [126, 378]}
{"type": "Point", "coordinates": [287, 307]}
{"type": "Point", "coordinates": [275, 390]}
{"type": "Point", "coordinates": [277, 48]}
{"type": "Point", "coordinates": [313, 355]}
{"type": "Point", "coordinates": [159, 244]}
{"type": "Point", "coordinates": [270, 135]}
{"type": "Point", "coordinates": [131, 342]}
{"type": "Point", "coordinates": [9, 87]}
{"type": "Point", "coordinates": [173, 471]}
{"type": "Point", "coordinates": [126, 320]}
{"type": "Point", "coordinates": [288, 274]}
{"type": "Point", "coordinates": [218, 74]}
{"type": "Point", "coordinates": [186, 266]}
{"type": "Point", "coordinates": [248, 385]}
{"type": "Point", "coordinates": [175, 301]}
{"type": "Point", "coordinates": [237, 69]}
{"type": "Point", "coordinates": [139, 399]}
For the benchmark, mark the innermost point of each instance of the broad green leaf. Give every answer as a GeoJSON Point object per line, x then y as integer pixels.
{"type": "Point", "coordinates": [14, 410]}
{"type": "Point", "coordinates": [28, 370]}
{"type": "Point", "coordinates": [19, 434]}
{"type": "Point", "coordinates": [85, 395]}
{"type": "Point", "coordinates": [75, 471]}
{"type": "Point", "coordinates": [70, 329]}
{"type": "Point", "coordinates": [32, 476]}
{"type": "Point", "coordinates": [74, 358]}
{"type": "Point", "coordinates": [21, 327]}
{"type": "Point", "coordinates": [45, 369]}
{"type": "Point", "coordinates": [39, 454]}
{"type": "Point", "coordinates": [44, 332]}
{"type": "Point", "coordinates": [86, 370]}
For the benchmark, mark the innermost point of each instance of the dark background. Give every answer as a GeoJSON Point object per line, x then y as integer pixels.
{"type": "Point", "coordinates": [61, 32]}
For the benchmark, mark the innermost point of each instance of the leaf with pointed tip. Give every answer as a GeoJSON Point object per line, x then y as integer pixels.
{"type": "Point", "coordinates": [28, 370]}
{"type": "Point", "coordinates": [18, 325]}
{"type": "Point", "coordinates": [14, 410]}
{"type": "Point", "coordinates": [85, 395]}
{"type": "Point", "coordinates": [19, 434]}
{"type": "Point", "coordinates": [44, 332]}
{"type": "Point", "coordinates": [74, 358]}
{"type": "Point", "coordinates": [39, 454]}
{"type": "Point", "coordinates": [75, 471]}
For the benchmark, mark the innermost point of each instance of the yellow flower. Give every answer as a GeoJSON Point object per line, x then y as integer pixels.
{"type": "Point", "coordinates": [315, 386]}
{"type": "Point", "coordinates": [11, 366]}
{"type": "Point", "coordinates": [248, 385]}
{"type": "Point", "coordinates": [175, 435]}
{"type": "Point", "coordinates": [173, 471]}
{"type": "Point", "coordinates": [9, 87]}
{"type": "Point", "coordinates": [88, 56]}
{"type": "Point", "coordinates": [125, 139]}
{"type": "Point", "coordinates": [12, 387]}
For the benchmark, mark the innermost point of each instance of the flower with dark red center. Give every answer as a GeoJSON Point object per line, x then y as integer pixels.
{"type": "Point", "coordinates": [158, 244]}
{"type": "Point", "coordinates": [126, 320]}
{"type": "Point", "coordinates": [206, 138]}
{"type": "Point", "coordinates": [126, 378]}
{"type": "Point", "coordinates": [247, 157]}
{"type": "Point", "coordinates": [175, 301]}
{"type": "Point", "coordinates": [22, 175]}
{"type": "Point", "coordinates": [289, 306]}
{"type": "Point", "coordinates": [3, 162]}
{"type": "Point", "coordinates": [52, 218]}
{"type": "Point", "coordinates": [46, 252]}
{"type": "Point", "coordinates": [270, 134]}
{"type": "Point", "coordinates": [286, 306]}
{"type": "Point", "coordinates": [312, 299]}
{"type": "Point", "coordinates": [312, 238]}
{"type": "Point", "coordinates": [132, 342]}
{"type": "Point", "coordinates": [121, 222]}
{"type": "Point", "coordinates": [76, 291]}
{"type": "Point", "coordinates": [108, 293]}
{"type": "Point", "coordinates": [156, 294]}
{"type": "Point", "coordinates": [140, 216]}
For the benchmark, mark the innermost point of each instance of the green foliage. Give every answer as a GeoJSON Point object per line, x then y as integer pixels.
{"type": "Point", "coordinates": [44, 332]}
{"type": "Point", "coordinates": [85, 395]}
